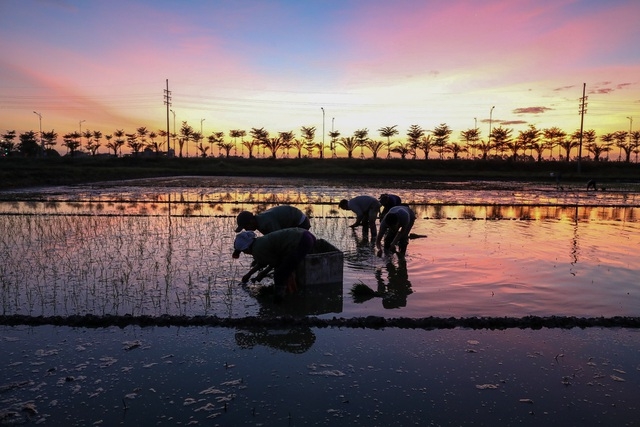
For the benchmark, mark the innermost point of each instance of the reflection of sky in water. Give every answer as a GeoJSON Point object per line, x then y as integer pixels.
{"type": "Point", "coordinates": [127, 250]}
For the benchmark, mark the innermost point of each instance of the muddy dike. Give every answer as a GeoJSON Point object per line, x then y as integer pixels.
{"type": "Point", "coordinates": [368, 322]}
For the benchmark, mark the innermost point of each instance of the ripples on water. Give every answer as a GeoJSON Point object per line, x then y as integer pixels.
{"type": "Point", "coordinates": [163, 247]}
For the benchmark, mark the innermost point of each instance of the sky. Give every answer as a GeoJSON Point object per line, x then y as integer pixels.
{"type": "Point", "coordinates": [340, 65]}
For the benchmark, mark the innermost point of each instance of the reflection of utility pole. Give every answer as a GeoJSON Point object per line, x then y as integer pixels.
{"type": "Point", "coordinates": [582, 111]}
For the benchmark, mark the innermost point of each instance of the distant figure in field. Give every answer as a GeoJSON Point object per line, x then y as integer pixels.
{"type": "Point", "coordinates": [388, 201]}
{"type": "Point", "coordinates": [395, 228]}
{"type": "Point", "coordinates": [366, 209]}
{"type": "Point", "coordinates": [591, 185]}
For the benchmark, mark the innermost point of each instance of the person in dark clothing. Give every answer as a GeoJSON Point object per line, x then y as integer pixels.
{"type": "Point", "coordinates": [281, 250]}
{"type": "Point", "coordinates": [388, 201]}
{"type": "Point", "coordinates": [395, 229]}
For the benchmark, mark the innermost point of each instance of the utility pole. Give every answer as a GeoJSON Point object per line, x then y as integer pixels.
{"type": "Point", "coordinates": [167, 102]}
{"type": "Point", "coordinates": [582, 111]}
{"type": "Point", "coordinates": [322, 147]}
{"type": "Point", "coordinates": [44, 152]}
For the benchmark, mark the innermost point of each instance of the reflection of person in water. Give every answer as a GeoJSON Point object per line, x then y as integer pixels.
{"type": "Point", "coordinates": [397, 288]}
{"type": "Point", "coordinates": [295, 340]}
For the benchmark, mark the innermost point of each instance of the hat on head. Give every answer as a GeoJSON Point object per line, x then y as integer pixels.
{"type": "Point", "coordinates": [242, 242]}
{"type": "Point", "coordinates": [243, 220]}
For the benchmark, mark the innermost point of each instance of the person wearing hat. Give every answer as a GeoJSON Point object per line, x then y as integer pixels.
{"type": "Point", "coordinates": [366, 209]}
{"type": "Point", "coordinates": [388, 201]}
{"type": "Point", "coordinates": [276, 218]}
{"type": "Point", "coordinates": [273, 219]}
{"type": "Point", "coordinates": [395, 228]}
{"type": "Point", "coordinates": [281, 250]}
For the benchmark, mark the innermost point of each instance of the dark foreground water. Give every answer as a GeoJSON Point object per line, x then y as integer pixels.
{"type": "Point", "coordinates": [531, 260]}
{"type": "Point", "coordinates": [318, 376]}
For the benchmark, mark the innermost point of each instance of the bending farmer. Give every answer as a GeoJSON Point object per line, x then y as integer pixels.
{"type": "Point", "coordinates": [281, 250]}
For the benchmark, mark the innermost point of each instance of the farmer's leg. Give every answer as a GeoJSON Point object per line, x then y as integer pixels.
{"type": "Point", "coordinates": [372, 216]}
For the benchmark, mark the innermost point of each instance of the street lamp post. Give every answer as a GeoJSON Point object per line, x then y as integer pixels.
{"type": "Point", "coordinates": [40, 121]}
{"type": "Point", "coordinates": [322, 147]}
{"type": "Point", "coordinates": [630, 127]}
{"type": "Point", "coordinates": [81, 121]}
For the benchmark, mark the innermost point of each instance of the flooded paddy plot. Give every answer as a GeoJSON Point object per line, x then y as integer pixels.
{"type": "Point", "coordinates": [163, 247]}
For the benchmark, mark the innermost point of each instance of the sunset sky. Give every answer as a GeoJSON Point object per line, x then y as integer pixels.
{"type": "Point", "coordinates": [237, 64]}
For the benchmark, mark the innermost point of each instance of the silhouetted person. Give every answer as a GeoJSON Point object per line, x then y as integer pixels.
{"type": "Point", "coordinates": [366, 209]}
{"type": "Point", "coordinates": [388, 201]}
{"type": "Point", "coordinates": [395, 228]}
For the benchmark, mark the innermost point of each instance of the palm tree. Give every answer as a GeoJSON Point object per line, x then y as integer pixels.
{"type": "Point", "coordinates": [414, 134]}
{"type": "Point", "coordinates": [156, 146]}
{"type": "Point", "coordinates": [186, 133]}
{"type": "Point", "coordinates": [6, 142]}
{"type": "Point", "coordinates": [133, 143]}
{"type": "Point", "coordinates": [273, 144]}
{"type": "Point", "coordinates": [553, 136]}
{"type": "Point", "coordinates": [607, 139]}
{"type": "Point", "coordinates": [470, 137]}
{"type": "Point", "coordinates": [28, 144]}
{"type": "Point", "coordinates": [89, 143]}
{"type": "Point", "coordinates": [425, 143]}
{"type": "Point", "coordinates": [624, 145]}
{"type": "Point", "coordinates": [49, 139]}
{"type": "Point", "coordinates": [258, 137]}
{"type": "Point", "coordinates": [501, 138]}
{"type": "Point", "coordinates": [375, 146]}
{"type": "Point", "coordinates": [298, 144]}
{"type": "Point", "coordinates": [226, 146]}
{"type": "Point", "coordinates": [197, 138]}
{"type": "Point", "coordinates": [388, 132]}
{"type": "Point", "coordinates": [569, 143]}
{"type": "Point", "coordinates": [403, 149]}
{"type": "Point", "coordinates": [97, 136]}
{"type": "Point", "coordinates": [441, 138]}
{"type": "Point", "coordinates": [349, 143]}
{"type": "Point", "coordinates": [334, 135]}
{"type": "Point", "coordinates": [309, 134]}
{"type": "Point", "coordinates": [215, 138]}
{"type": "Point", "coordinates": [361, 136]}
{"type": "Point", "coordinates": [287, 138]}
{"type": "Point", "coordinates": [635, 142]}
{"type": "Point", "coordinates": [455, 148]}
{"type": "Point", "coordinates": [71, 140]}
{"type": "Point", "coordinates": [530, 138]}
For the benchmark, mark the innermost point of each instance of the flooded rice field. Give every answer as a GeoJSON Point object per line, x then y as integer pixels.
{"type": "Point", "coordinates": [161, 249]}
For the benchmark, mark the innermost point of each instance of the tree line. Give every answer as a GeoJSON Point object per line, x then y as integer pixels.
{"type": "Point", "coordinates": [531, 144]}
